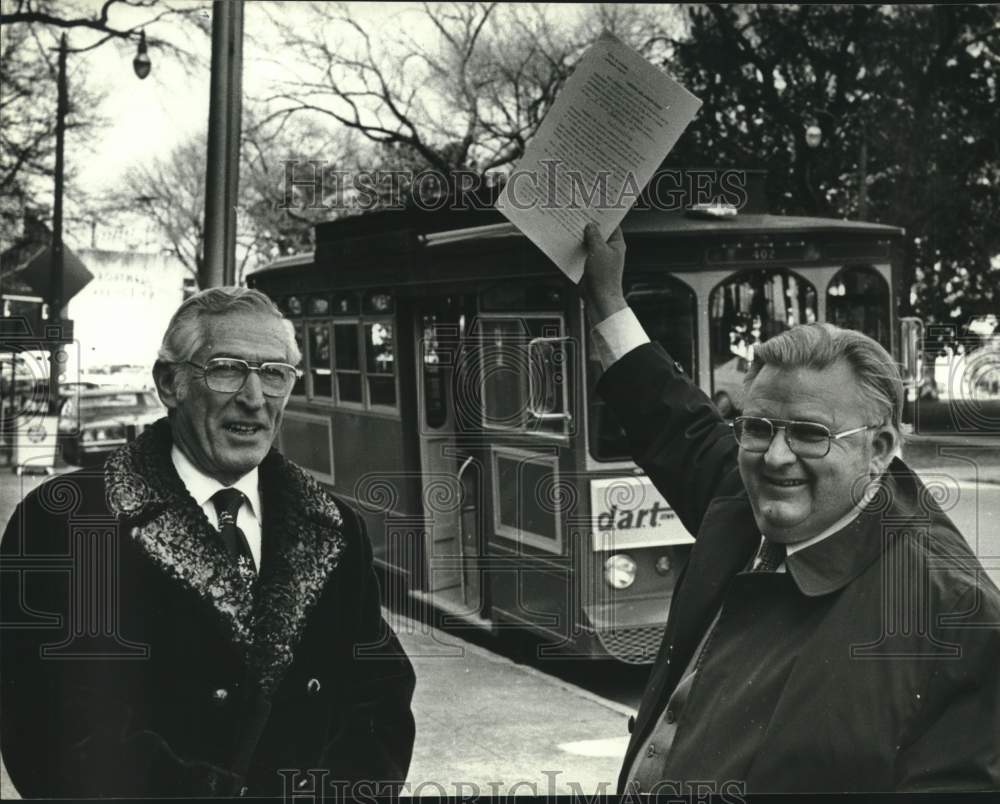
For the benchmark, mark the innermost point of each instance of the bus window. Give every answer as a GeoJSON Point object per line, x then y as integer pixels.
{"type": "Point", "coordinates": [299, 388]}
{"type": "Point", "coordinates": [746, 310]}
{"type": "Point", "coordinates": [505, 365]}
{"type": "Point", "coordinates": [440, 333]}
{"type": "Point", "coordinates": [381, 364]}
{"type": "Point", "coordinates": [667, 310]}
{"type": "Point", "coordinates": [858, 298]}
{"type": "Point", "coordinates": [347, 363]}
{"type": "Point", "coordinates": [319, 359]}
{"type": "Point", "coordinates": [318, 305]}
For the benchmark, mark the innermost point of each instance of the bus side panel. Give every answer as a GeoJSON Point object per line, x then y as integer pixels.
{"type": "Point", "coordinates": [372, 469]}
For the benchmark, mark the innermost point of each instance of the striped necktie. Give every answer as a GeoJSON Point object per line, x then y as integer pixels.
{"type": "Point", "coordinates": [227, 505]}
{"type": "Point", "coordinates": [771, 555]}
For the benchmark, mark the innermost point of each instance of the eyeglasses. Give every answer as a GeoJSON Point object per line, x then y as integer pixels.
{"type": "Point", "coordinates": [227, 375]}
{"type": "Point", "coordinates": [805, 439]}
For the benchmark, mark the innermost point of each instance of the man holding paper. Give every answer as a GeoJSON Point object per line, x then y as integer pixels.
{"type": "Point", "coordinates": [832, 630]}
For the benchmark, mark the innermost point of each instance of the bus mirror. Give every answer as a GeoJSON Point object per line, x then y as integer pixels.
{"type": "Point", "coordinates": [547, 379]}
{"type": "Point", "coordinates": [911, 338]}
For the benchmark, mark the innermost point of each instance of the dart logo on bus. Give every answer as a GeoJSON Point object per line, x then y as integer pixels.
{"type": "Point", "coordinates": [629, 512]}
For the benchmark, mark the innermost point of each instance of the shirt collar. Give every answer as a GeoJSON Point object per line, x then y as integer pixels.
{"type": "Point", "coordinates": [202, 487]}
{"type": "Point", "coordinates": [831, 559]}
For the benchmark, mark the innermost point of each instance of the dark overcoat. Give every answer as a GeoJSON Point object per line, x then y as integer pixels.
{"type": "Point", "coordinates": [137, 661]}
{"type": "Point", "coordinates": [896, 682]}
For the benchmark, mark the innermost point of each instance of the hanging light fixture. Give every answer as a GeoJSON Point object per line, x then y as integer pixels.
{"type": "Point", "coordinates": [141, 63]}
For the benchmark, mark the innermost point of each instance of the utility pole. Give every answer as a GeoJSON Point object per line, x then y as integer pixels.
{"type": "Point", "coordinates": [58, 254]}
{"type": "Point", "coordinates": [224, 129]}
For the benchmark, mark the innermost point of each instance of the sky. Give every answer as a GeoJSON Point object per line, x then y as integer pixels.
{"type": "Point", "coordinates": [148, 117]}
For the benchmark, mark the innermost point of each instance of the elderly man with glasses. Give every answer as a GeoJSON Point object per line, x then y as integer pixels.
{"type": "Point", "coordinates": [200, 617]}
{"type": "Point", "coordinates": [832, 630]}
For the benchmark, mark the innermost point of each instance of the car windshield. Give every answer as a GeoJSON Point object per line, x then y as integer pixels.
{"type": "Point", "coordinates": [123, 400]}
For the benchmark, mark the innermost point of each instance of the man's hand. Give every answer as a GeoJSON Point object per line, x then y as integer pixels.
{"type": "Point", "coordinates": [601, 284]}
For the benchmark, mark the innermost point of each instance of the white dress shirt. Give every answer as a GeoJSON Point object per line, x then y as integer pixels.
{"type": "Point", "coordinates": [202, 487]}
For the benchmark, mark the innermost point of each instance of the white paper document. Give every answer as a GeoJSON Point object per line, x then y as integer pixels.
{"type": "Point", "coordinates": [611, 126]}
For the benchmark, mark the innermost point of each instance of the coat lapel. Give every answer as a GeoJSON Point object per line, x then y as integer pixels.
{"type": "Point", "coordinates": [302, 544]}
{"type": "Point", "coordinates": [721, 550]}
{"type": "Point", "coordinates": [167, 526]}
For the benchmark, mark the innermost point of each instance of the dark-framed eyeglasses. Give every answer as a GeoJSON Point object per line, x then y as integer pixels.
{"type": "Point", "coordinates": [805, 439]}
{"type": "Point", "coordinates": [227, 375]}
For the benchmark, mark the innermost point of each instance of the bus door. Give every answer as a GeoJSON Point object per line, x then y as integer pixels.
{"type": "Point", "coordinates": [449, 472]}
{"type": "Point", "coordinates": [523, 361]}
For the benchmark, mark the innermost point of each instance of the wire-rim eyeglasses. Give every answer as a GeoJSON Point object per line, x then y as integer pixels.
{"type": "Point", "coordinates": [227, 375]}
{"type": "Point", "coordinates": [804, 439]}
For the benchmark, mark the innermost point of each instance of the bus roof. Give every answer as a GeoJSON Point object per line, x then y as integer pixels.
{"type": "Point", "coordinates": [654, 221]}
{"type": "Point", "coordinates": [432, 229]}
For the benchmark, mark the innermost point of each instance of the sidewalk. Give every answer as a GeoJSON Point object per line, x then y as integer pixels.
{"type": "Point", "coordinates": [488, 725]}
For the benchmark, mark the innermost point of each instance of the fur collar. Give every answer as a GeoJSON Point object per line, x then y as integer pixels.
{"type": "Point", "coordinates": [302, 543]}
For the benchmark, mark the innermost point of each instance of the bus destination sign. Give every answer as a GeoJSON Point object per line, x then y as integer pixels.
{"type": "Point", "coordinates": [762, 251]}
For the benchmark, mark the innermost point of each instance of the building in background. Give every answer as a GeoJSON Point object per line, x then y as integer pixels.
{"type": "Point", "coordinates": [121, 315]}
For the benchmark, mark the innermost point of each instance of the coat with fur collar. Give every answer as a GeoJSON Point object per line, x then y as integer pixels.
{"type": "Point", "coordinates": [138, 661]}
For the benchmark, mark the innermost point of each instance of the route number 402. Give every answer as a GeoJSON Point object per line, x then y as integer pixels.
{"type": "Point", "coordinates": [763, 253]}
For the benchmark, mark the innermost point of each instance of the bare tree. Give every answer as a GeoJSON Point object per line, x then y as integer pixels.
{"type": "Point", "coordinates": [289, 183]}
{"type": "Point", "coordinates": [29, 37]}
{"type": "Point", "coordinates": [170, 192]}
{"type": "Point", "coordinates": [274, 217]}
{"type": "Point", "coordinates": [106, 22]}
{"type": "Point", "coordinates": [27, 107]}
{"type": "Point", "coordinates": [460, 85]}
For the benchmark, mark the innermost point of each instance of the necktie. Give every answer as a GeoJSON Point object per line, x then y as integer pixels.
{"type": "Point", "coordinates": [771, 555]}
{"type": "Point", "coordinates": [227, 505]}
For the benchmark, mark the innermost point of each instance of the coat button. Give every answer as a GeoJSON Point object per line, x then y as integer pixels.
{"type": "Point", "coordinates": [651, 751]}
{"type": "Point", "coordinates": [313, 686]}
{"type": "Point", "coordinates": [671, 717]}
{"type": "Point", "coordinates": [220, 695]}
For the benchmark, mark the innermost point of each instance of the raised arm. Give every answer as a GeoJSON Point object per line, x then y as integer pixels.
{"type": "Point", "coordinates": [674, 431]}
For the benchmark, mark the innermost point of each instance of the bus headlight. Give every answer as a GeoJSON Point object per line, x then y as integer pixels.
{"type": "Point", "coordinates": [619, 571]}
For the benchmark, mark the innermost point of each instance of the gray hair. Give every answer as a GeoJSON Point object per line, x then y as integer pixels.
{"type": "Point", "coordinates": [818, 346]}
{"type": "Point", "coordinates": [184, 333]}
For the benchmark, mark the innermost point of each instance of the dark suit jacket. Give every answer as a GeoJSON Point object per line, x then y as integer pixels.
{"type": "Point", "coordinates": [136, 661]}
{"type": "Point", "coordinates": [896, 684]}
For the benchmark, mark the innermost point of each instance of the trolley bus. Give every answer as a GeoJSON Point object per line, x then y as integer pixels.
{"type": "Point", "coordinates": [448, 393]}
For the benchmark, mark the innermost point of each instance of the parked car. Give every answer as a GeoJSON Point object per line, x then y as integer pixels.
{"type": "Point", "coordinates": [94, 422]}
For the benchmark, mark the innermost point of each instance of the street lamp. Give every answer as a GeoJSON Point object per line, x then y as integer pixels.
{"type": "Point", "coordinates": [814, 136]}
{"type": "Point", "coordinates": [141, 63]}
